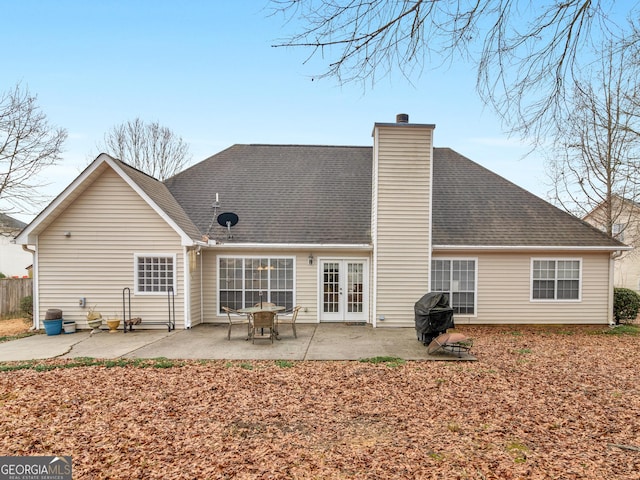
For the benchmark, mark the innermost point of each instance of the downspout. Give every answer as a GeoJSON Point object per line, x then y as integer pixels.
{"type": "Point", "coordinates": [186, 265]}
{"type": "Point", "coordinates": [35, 325]}
{"type": "Point", "coordinates": [201, 289]}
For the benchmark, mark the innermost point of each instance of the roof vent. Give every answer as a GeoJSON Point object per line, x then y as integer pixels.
{"type": "Point", "coordinates": [402, 118]}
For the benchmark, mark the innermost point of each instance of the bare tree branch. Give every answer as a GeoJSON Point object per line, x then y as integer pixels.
{"type": "Point", "coordinates": [526, 52]}
{"type": "Point", "coordinates": [28, 144]}
{"type": "Point", "coordinates": [596, 149]}
{"type": "Point", "coordinates": [152, 148]}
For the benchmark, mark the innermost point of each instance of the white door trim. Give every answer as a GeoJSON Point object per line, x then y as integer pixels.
{"type": "Point", "coordinates": [345, 291]}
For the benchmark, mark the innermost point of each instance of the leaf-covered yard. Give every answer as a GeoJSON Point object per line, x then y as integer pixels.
{"type": "Point", "coordinates": [545, 402]}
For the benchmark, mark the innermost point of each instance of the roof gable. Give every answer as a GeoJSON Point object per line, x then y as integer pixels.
{"type": "Point", "coordinates": [151, 190]}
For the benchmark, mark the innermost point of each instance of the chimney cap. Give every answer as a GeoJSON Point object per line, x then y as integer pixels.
{"type": "Point", "coordinates": [402, 118]}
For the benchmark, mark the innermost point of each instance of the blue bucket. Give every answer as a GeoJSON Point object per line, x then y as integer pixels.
{"type": "Point", "coordinates": [53, 327]}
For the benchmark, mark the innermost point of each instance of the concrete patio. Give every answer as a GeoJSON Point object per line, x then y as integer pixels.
{"type": "Point", "coordinates": [325, 341]}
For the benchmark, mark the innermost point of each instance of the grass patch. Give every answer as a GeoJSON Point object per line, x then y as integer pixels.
{"type": "Point", "coordinates": [523, 351]}
{"type": "Point", "coordinates": [623, 329]}
{"type": "Point", "coordinates": [518, 451]}
{"type": "Point", "coordinates": [8, 338]}
{"type": "Point", "coordinates": [388, 361]}
{"type": "Point", "coordinates": [82, 362]}
{"type": "Point", "coordinates": [284, 363]}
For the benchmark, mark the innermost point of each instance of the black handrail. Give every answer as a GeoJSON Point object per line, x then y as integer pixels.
{"type": "Point", "coordinates": [126, 318]}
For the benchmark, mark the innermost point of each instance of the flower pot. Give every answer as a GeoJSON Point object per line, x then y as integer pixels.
{"type": "Point", "coordinates": [69, 326]}
{"type": "Point", "coordinates": [95, 325]}
{"type": "Point", "coordinates": [53, 327]}
{"type": "Point", "coordinates": [113, 325]}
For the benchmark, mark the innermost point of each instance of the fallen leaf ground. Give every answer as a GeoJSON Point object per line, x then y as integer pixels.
{"type": "Point", "coordinates": [540, 403]}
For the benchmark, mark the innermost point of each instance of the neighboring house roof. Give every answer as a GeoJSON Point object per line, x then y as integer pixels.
{"type": "Point", "coordinates": [282, 194]}
{"type": "Point", "coordinates": [11, 224]}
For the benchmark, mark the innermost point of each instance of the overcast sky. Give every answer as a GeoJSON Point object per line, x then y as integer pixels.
{"type": "Point", "coordinates": [207, 71]}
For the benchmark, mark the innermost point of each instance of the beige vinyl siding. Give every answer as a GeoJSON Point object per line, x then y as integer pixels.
{"type": "Point", "coordinates": [108, 223]}
{"type": "Point", "coordinates": [402, 219]}
{"type": "Point", "coordinates": [504, 290]}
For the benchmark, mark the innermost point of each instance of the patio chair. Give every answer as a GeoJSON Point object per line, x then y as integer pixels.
{"type": "Point", "coordinates": [288, 317]}
{"type": "Point", "coordinates": [262, 320]}
{"type": "Point", "coordinates": [237, 318]}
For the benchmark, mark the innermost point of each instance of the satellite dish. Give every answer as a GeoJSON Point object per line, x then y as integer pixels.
{"type": "Point", "coordinates": [228, 220]}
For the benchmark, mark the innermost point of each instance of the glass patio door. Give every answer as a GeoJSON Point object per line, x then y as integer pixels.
{"type": "Point", "coordinates": [344, 290]}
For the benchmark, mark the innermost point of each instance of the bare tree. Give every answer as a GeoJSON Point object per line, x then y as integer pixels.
{"type": "Point", "coordinates": [28, 144]}
{"type": "Point", "coordinates": [152, 148]}
{"type": "Point", "coordinates": [595, 165]}
{"type": "Point", "coordinates": [525, 51]}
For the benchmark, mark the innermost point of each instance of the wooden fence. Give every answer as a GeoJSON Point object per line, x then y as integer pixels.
{"type": "Point", "coordinates": [12, 291]}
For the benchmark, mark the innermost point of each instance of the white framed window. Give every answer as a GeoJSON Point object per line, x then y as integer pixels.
{"type": "Point", "coordinates": [245, 281]}
{"type": "Point", "coordinates": [154, 273]}
{"type": "Point", "coordinates": [556, 279]}
{"type": "Point", "coordinates": [456, 277]}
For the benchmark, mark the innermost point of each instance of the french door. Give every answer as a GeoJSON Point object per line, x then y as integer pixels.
{"type": "Point", "coordinates": [344, 294]}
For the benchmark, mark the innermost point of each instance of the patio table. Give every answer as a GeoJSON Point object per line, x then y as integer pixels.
{"type": "Point", "coordinates": [265, 308]}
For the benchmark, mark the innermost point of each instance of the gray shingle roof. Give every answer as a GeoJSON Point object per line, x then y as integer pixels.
{"type": "Point", "coordinates": [282, 193]}
{"type": "Point", "coordinates": [474, 206]}
{"type": "Point", "coordinates": [322, 194]}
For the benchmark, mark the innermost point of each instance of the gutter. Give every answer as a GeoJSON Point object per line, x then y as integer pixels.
{"type": "Point", "coordinates": [294, 246]}
{"type": "Point", "coordinates": [516, 248]}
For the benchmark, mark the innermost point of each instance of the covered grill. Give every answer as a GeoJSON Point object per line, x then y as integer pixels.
{"type": "Point", "coordinates": [433, 316]}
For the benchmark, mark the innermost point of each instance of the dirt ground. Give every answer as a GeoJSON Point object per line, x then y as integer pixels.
{"type": "Point", "coordinates": [14, 326]}
{"type": "Point", "coordinates": [540, 403]}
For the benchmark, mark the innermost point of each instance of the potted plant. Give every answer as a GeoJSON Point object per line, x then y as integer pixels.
{"type": "Point", "coordinates": [94, 319]}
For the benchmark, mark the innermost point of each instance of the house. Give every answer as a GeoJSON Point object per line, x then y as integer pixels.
{"type": "Point", "coordinates": [351, 234]}
{"type": "Point", "coordinates": [14, 261]}
{"type": "Point", "coordinates": [625, 228]}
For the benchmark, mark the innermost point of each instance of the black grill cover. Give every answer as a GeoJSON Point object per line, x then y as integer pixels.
{"type": "Point", "coordinates": [433, 316]}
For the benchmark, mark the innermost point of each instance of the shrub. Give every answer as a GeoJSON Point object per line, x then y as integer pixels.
{"type": "Point", "coordinates": [2, 275]}
{"type": "Point", "coordinates": [626, 304]}
{"type": "Point", "coordinates": [26, 305]}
